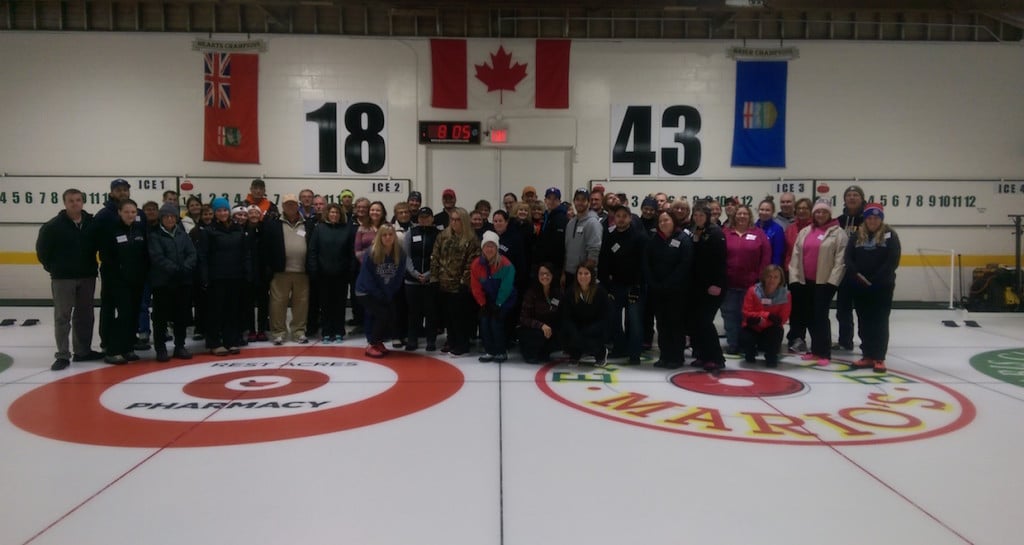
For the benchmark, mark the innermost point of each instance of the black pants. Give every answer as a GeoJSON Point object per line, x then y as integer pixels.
{"type": "Point", "coordinates": [198, 304]}
{"type": "Point", "coordinates": [171, 303]}
{"type": "Point", "coordinates": [123, 300]}
{"type": "Point", "coordinates": [873, 308]}
{"type": "Point", "coordinates": [585, 339]}
{"type": "Point", "coordinates": [800, 311]}
{"type": "Point", "coordinates": [422, 301]}
{"type": "Point", "coordinates": [400, 327]}
{"type": "Point", "coordinates": [223, 324]}
{"type": "Point", "coordinates": [257, 297]}
{"type": "Point", "coordinates": [844, 314]}
{"type": "Point", "coordinates": [668, 311]}
{"type": "Point", "coordinates": [534, 346]}
{"type": "Point", "coordinates": [314, 312]}
{"type": "Point", "coordinates": [332, 297]}
{"type": "Point", "coordinates": [380, 313]}
{"type": "Point", "coordinates": [767, 341]}
{"type": "Point", "coordinates": [703, 333]}
{"type": "Point", "coordinates": [820, 326]}
{"type": "Point", "coordinates": [460, 312]}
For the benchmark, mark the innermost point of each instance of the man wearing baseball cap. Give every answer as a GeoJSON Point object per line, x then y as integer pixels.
{"type": "Point", "coordinates": [448, 200]}
{"type": "Point", "coordinates": [415, 201]}
{"type": "Point", "coordinates": [550, 244]}
{"type": "Point", "coordinates": [582, 237]}
{"type": "Point", "coordinates": [105, 220]}
{"type": "Point", "coordinates": [258, 196]}
{"type": "Point", "coordinates": [853, 210]}
{"type": "Point", "coordinates": [285, 244]}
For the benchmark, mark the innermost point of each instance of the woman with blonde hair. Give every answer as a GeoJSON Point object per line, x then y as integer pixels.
{"type": "Point", "coordinates": [380, 278]}
{"type": "Point", "coordinates": [454, 251]}
{"type": "Point", "coordinates": [872, 256]}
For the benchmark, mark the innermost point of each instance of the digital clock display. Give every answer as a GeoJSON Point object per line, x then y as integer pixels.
{"type": "Point", "coordinates": [449, 132]}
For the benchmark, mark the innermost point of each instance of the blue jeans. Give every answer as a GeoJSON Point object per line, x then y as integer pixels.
{"type": "Point", "coordinates": [626, 341]}
{"type": "Point", "coordinates": [492, 331]}
{"type": "Point", "coordinates": [732, 315]}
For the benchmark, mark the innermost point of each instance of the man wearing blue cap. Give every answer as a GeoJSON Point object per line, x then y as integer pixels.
{"type": "Point", "coordinates": [550, 245]}
{"type": "Point", "coordinates": [105, 220]}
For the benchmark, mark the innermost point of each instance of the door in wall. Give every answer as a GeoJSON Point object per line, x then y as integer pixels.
{"type": "Point", "coordinates": [488, 173]}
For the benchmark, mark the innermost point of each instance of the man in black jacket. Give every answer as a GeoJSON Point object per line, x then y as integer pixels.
{"type": "Point", "coordinates": [622, 250]}
{"type": "Point", "coordinates": [66, 252]}
{"type": "Point", "coordinates": [550, 244]}
{"type": "Point", "coordinates": [853, 210]}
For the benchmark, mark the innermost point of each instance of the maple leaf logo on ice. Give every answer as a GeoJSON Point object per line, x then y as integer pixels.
{"type": "Point", "coordinates": [501, 74]}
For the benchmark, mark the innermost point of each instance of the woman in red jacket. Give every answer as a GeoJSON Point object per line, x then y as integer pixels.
{"type": "Point", "coordinates": [765, 310]}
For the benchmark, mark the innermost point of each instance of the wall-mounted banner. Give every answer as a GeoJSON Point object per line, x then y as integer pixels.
{"type": "Point", "coordinates": [36, 199]}
{"type": "Point", "coordinates": [650, 141]}
{"type": "Point", "coordinates": [763, 53]}
{"type": "Point", "coordinates": [759, 135]}
{"type": "Point", "coordinates": [206, 44]}
{"type": "Point", "coordinates": [348, 138]}
{"type": "Point", "coordinates": [230, 90]}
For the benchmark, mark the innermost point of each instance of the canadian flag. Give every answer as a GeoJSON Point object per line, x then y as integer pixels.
{"type": "Point", "coordinates": [500, 74]}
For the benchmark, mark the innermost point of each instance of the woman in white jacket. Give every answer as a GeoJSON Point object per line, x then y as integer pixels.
{"type": "Point", "coordinates": [818, 267]}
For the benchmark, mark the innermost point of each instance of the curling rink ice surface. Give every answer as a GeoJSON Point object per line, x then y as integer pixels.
{"type": "Point", "coordinates": [318, 444]}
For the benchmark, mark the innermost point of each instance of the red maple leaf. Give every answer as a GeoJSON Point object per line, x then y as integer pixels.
{"type": "Point", "coordinates": [501, 74]}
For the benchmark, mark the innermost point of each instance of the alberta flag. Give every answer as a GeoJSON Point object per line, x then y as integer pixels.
{"type": "Point", "coordinates": [759, 134]}
{"type": "Point", "coordinates": [496, 74]}
{"type": "Point", "coordinates": [230, 82]}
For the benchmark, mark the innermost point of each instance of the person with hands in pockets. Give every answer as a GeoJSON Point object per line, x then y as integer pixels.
{"type": "Point", "coordinates": [173, 260]}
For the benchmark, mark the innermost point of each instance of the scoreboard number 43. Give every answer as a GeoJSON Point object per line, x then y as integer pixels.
{"type": "Point", "coordinates": [658, 140]}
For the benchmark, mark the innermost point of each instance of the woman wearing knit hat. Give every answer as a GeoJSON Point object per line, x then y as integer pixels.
{"type": "Point", "coordinates": [224, 263]}
{"type": "Point", "coordinates": [173, 259]}
{"type": "Point", "coordinates": [818, 264]}
{"type": "Point", "coordinates": [492, 283]}
{"type": "Point", "coordinates": [872, 256]}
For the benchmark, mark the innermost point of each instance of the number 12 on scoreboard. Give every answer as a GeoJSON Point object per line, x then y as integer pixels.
{"type": "Point", "coordinates": [348, 138]}
{"type": "Point", "coordinates": [654, 141]}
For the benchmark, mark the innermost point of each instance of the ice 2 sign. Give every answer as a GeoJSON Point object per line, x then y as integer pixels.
{"type": "Point", "coordinates": [640, 133]}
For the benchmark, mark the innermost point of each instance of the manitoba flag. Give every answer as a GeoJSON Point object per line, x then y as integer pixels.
{"type": "Point", "coordinates": [230, 82]}
{"type": "Point", "coordinates": [485, 74]}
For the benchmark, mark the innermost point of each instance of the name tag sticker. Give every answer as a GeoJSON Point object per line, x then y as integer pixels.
{"type": "Point", "coordinates": [611, 228]}
{"type": "Point", "coordinates": [766, 301]}
{"type": "Point", "coordinates": [888, 236]}
{"type": "Point", "coordinates": [554, 302]}
{"type": "Point", "coordinates": [579, 230]}
{"type": "Point", "coordinates": [301, 232]}
{"type": "Point", "coordinates": [751, 237]}
{"type": "Point", "coordinates": [615, 247]}
{"type": "Point", "coordinates": [674, 243]}
{"type": "Point", "coordinates": [122, 238]}
{"type": "Point", "coordinates": [440, 227]}
{"type": "Point", "coordinates": [821, 237]}
{"type": "Point", "coordinates": [417, 238]}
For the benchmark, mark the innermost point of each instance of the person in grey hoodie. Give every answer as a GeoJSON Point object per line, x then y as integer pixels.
{"type": "Point", "coordinates": [582, 237]}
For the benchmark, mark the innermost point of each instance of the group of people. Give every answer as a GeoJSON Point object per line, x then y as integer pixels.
{"type": "Point", "coordinates": [582, 277]}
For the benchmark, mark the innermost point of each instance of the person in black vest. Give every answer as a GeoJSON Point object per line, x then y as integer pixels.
{"type": "Point", "coordinates": [621, 251]}
{"type": "Point", "coordinates": [173, 259]}
{"type": "Point", "coordinates": [707, 289]}
{"type": "Point", "coordinates": [329, 260]}
{"type": "Point", "coordinates": [449, 201]}
{"type": "Point", "coordinates": [667, 265]}
{"type": "Point", "coordinates": [66, 252]}
{"type": "Point", "coordinates": [224, 262]}
{"type": "Point", "coordinates": [125, 262]}
{"type": "Point", "coordinates": [420, 292]}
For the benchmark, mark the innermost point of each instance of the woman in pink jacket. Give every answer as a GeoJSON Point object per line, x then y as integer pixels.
{"type": "Point", "coordinates": [818, 265]}
{"type": "Point", "coordinates": [747, 253]}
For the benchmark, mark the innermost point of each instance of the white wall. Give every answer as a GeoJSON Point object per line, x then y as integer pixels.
{"type": "Point", "coordinates": [130, 104]}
